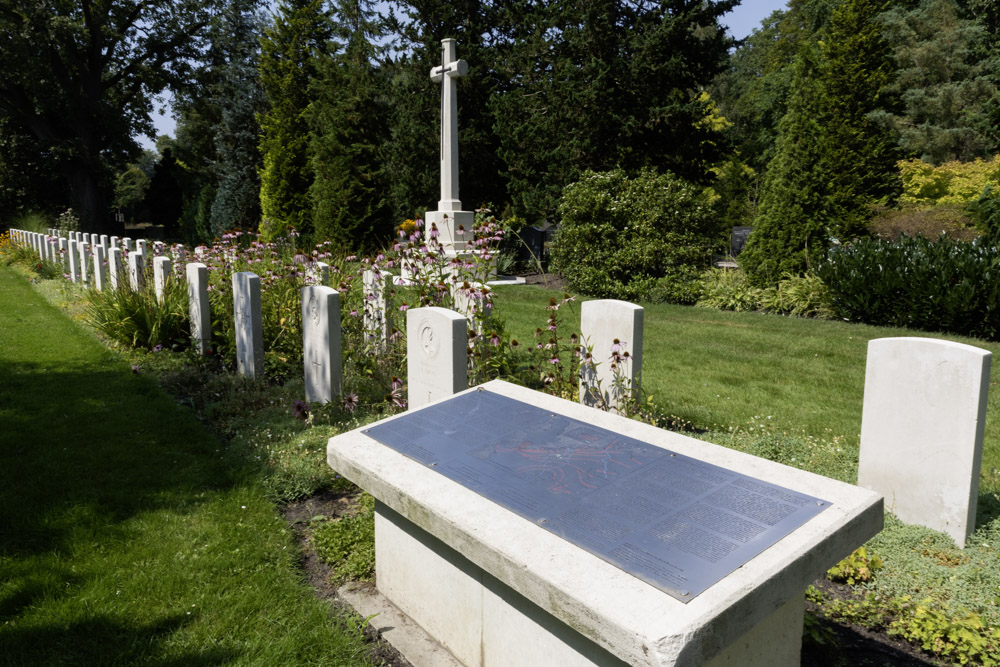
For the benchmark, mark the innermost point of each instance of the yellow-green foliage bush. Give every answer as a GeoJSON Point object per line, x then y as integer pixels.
{"type": "Point", "coordinates": [951, 183]}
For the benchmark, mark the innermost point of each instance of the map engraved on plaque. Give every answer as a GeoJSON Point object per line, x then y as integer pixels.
{"type": "Point", "coordinates": [675, 522]}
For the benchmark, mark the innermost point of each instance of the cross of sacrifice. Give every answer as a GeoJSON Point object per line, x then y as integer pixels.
{"type": "Point", "coordinates": [446, 75]}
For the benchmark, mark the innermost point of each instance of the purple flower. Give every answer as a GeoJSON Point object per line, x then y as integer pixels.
{"type": "Point", "coordinates": [157, 348]}
{"type": "Point", "coordinates": [350, 402]}
{"type": "Point", "coordinates": [300, 409]}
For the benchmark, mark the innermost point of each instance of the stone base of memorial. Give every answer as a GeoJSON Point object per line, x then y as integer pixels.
{"type": "Point", "coordinates": [517, 528]}
{"type": "Point", "coordinates": [448, 223]}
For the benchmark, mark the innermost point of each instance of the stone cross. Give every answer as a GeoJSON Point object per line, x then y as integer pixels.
{"type": "Point", "coordinates": [446, 75]}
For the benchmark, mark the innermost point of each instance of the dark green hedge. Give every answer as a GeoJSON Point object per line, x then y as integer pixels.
{"type": "Point", "coordinates": [942, 285]}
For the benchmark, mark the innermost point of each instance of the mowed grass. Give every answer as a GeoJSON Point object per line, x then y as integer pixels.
{"type": "Point", "coordinates": [124, 536]}
{"type": "Point", "coordinates": [722, 370]}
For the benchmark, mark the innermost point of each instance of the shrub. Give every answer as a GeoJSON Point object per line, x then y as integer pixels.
{"type": "Point", "coordinates": [985, 212]}
{"type": "Point", "coordinates": [952, 220]}
{"type": "Point", "coordinates": [623, 237]}
{"type": "Point", "coordinates": [951, 183]}
{"type": "Point", "coordinates": [138, 319]}
{"type": "Point", "coordinates": [729, 290]}
{"type": "Point", "coordinates": [801, 296]}
{"type": "Point", "coordinates": [942, 285]}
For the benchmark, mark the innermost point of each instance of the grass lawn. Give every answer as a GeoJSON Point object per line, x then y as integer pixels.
{"type": "Point", "coordinates": [125, 535]}
{"type": "Point", "coordinates": [719, 370]}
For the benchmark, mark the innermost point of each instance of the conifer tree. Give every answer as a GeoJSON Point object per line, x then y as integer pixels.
{"type": "Point", "coordinates": [348, 129]}
{"type": "Point", "coordinates": [860, 155]}
{"type": "Point", "coordinates": [793, 226]}
{"type": "Point", "coordinates": [289, 48]}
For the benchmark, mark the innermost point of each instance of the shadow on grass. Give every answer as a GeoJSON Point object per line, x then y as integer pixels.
{"type": "Point", "coordinates": [86, 450]}
{"type": "Point", "coordinates": [104, 641]}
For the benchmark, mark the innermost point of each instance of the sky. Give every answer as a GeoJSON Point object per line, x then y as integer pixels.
{"type": "Point", "coordinates": [741, 22]}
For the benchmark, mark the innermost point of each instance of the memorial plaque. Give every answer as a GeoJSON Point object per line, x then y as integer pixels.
{"type": "Point", "coordinates": [675, 522]}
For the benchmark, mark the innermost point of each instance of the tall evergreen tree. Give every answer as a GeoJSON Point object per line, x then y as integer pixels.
{"type": "Point", "coordinates": [860, 153]}
{"type": "Point", "coordinates": [793, 227]}
{"type": "Point", "coordinates": [289, 48]}
{"type": "Point", "coordinates": [240, 99]}
{"type": "Point", "coordinates": [945, 83]}
{"type": "Point", "coordinates": [602, 83]}
{"type": "Point", "coordinates": [348, 129]}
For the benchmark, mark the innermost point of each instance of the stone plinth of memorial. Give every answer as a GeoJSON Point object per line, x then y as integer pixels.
{"type": "Point", "coordinates": [517, 528]}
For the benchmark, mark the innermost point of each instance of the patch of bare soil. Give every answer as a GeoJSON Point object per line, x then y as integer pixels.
{"type": "Point", "coordinates": [854, 646]}
{"type": "Point", "coordinates": [546, 280]}
{"type": "Point", "coordinates": [320, 575]}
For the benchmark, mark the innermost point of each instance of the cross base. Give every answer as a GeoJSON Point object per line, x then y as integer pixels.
{"type": "Point", "coordinates": [447, 223]}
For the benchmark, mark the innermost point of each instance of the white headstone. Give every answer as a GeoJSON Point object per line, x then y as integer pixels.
{"type": "Point", "coordinates": [436, 354]}
{"type": "Point", "coordinates": [84, 260]}
{"type": "Point", "coordinates": [249, 325]}
{"type": "Point", "coordinates": [449, 216]}
{"type": "Point", "coordinates": [321, 345]}
{"type": "Point", "coordinates": [161, 273]}
{"type": "Point", "coordinates": [73, 255]}
{"type": "Point", "coordinates": [376, 319]}
{"type": "Point", "coordinates": [472, 301]}
{"type": "Point", "coordinates": [114, 242]}
{"type": "Point", "coordinates": [127, 244]}
{"type": "Point", "coordinates": [136, 270]}
{"type": "Point", "coordinates": [115, 276]}
{"type": "Point", "coordinates": [104, 241]}
{"type": "Point", "coordinates": [100, 268]}
{"type": "Point", "coordinates": [611, 328]}
{"type": "Point", "coordinates": [140, 246]}
{"type": "Point", "coordinates": [64, 254]}
{"type": "Point", "coordinates": [922, 430]}
{"type": "Point", "coordinates": [179, 254]}
{"type": "Point", "coordinates": [318, 273]}
{"type": "Point", "coordinates": [198, 306]}
{"type": "Point", "coordinates": [86, 238]}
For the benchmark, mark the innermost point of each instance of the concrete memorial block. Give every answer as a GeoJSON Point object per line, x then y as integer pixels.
{"type": "Point", "coordinates": [436, 354]}
{"type": "Point", "coordinates": [611, 328]}
{"type": "Point", "coordinates": [137, 270]}
{"type": "Point", "coordinates": [73, 257]}
{"type": "Point", "coordinates": [84, 260]}
{"type": "Point", "coordinates": [376, 319]}
{"type": "Point", "coordinates": [321, 343]}
{"type": "Point", "coordinates": [249, 325]}
{"type": "Point", "coordinates": [161, 273]}
{"type": "Point", "coordinates": [115, 275]}
{"type": "Point", "coordinates": [198, 306]}
{"type": "Point", "coordinates": [449, 217]}
{"type": "Point", "coordinates": [922, 430]}
{"type": "Point", "coordinates": [100, 268]}
{"type": "Point", "coordinates": [500, 533]}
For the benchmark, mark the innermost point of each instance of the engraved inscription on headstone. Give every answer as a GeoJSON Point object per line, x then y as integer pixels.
{"type": "Point", "coordinates": [675, 522]}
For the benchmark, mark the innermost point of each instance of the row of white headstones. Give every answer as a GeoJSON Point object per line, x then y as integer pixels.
{"type": "Point", "coordinates": [924, 400]}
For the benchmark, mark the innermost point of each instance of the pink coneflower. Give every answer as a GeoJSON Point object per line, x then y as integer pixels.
{"type": "Point", "coordinates": [351, 402]}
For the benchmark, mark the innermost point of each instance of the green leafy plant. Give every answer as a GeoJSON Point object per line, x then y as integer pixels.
{"type": "Point", "coordinates": [348, 544]}
{"type": "Point", "coordinates": [857, 568]}
{"type": "Point", "coordinates": [801, 296]}
{"type": "Point", "coordinates": [728, 290]}
{"type": "Point", "coordinates": [625, 238]}
{"type": "Point", "coordinates": [136, 318]}
{"type": "Point", "coordinates": [963, 640]}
